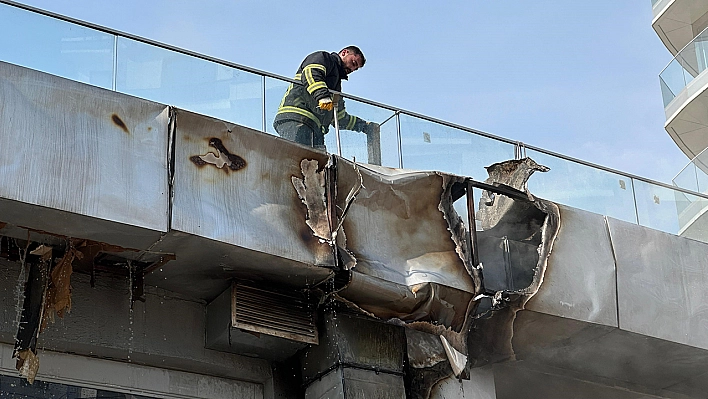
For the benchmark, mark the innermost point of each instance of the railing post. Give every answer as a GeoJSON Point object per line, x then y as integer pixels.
{"type": "Point", "coordinates": [335, 101]}
{"type": "Point", "coordinates": [114, 78]}
{"type": "Point", "coordinates": [474, 254]}
{"type": "Point", "coordinates": [398, 139]}
{"type": "Point", "coordinates": [263, 80]}
{"type": "Point", "coordinates": [373, 147]}
{"type": "Point", "coordinates": [634, 196]}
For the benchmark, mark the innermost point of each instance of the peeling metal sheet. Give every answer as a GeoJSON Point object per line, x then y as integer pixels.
{"type": "Point", "coordinates": [396, 228]}
{"type": "Point", "coordinates": [458, 360]}
{"type": "Point", "coordinates": [81, 149]}
{"type": "Point", "coordinates": [311, 190]}
{"type": "Point", "coordinates": [413, 261]}
{"type": "Point", "coordinates": [431, 302]}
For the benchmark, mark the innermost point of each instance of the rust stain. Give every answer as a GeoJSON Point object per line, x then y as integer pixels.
{"type": "Point", "coordinates": [119, 122]}
{"type": "Point", "coordinates": [223, 159]}
{"type": "Point", "coordinates": [149, 128]}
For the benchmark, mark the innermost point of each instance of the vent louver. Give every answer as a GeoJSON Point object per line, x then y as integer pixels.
{"type": "Point", "coordinates": [286, 315]}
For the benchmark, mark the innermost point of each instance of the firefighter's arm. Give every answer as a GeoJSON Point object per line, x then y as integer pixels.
{"type": "Point", "coordinates": [313, 75]}
{"type": "Point", "coordinates": [351, 122]}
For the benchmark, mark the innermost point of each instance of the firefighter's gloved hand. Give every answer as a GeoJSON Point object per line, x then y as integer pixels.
{"type": "Point", "coordinates": [371, 127]}
{"type": "Point", "coordinates": [326, 104]}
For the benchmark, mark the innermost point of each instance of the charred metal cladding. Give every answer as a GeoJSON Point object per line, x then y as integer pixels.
{"type": "Point", "coordinates": [414, 262]}
{"type": "Point", "coordinates": [119, 122]}
{"type": "Point", "coordinates": [223, 159]}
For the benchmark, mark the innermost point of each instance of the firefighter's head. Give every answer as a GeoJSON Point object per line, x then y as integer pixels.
{"type": "Point", "coordinates": [352, 58]}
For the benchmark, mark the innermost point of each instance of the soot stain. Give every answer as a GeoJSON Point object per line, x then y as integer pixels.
{"type": "Point", "coordinates": [119, 122]}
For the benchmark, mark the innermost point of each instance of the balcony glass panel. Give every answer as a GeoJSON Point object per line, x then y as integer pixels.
{"type": "Point", "coordinates": [694, 176]}
{"type": "Point", "coordinates": [671, 211]}
{"type": "Point", "coordinates": [701, 167]}
{"type": "Point", "coordinates": [687, 178]}
{"type": "Point", "coordinates": [690, 62]}
{"type": "Point", "coordinates": [190, 83]}
{"type": "Point", "coordinates": [673, 80]}
{"type": "Point", "coordinates": [354, 144]}
{"type": "Point", "coordinates": [274, 91]}
{"type": "Point", "coordinates": [583, 187]}
{"type": "Point", "coordinates": [432, 146]}
{"type": "Point", "coordinates": [57, 47]}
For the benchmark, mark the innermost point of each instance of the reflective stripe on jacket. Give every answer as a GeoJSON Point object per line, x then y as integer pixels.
{"type": "Point", "coordinates": [319, 72]}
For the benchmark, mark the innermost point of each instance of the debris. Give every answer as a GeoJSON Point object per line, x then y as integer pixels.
{"type": "Point", "coordinates": [27, 364]}
{"type": "Point", "coordinates": [28, 328]}
{"type": "Point", "coordinates": [458, 360]}
{"type": "Point", "coordinates": [59, 293]}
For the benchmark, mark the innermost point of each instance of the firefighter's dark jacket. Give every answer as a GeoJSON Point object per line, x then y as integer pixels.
{"type": "Point", "coordinates": [319, 72]}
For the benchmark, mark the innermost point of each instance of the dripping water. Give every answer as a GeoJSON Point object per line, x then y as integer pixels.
{"type": "Point", "coordinates": [20, 286]}
{"type": "Point", "coordinates": [130, 311]}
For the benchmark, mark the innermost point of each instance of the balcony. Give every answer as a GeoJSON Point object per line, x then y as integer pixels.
{"type": "Point", "coordinates": [693, 220]}
{"type": "Point", "coordinates": [683, 87]}
{"type": "Point", "coordinates": [249, 97]}
{"type": "Point", "coordinates": [677, 22]}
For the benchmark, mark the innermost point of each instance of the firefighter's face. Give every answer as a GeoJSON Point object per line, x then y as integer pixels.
{"type": "Point", "coordinates": [350, 61]}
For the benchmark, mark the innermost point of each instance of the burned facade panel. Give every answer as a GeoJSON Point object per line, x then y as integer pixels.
{"type": "Point", "coordinates": [254, 206]}
{"type": "Point", "coordinates": [414, 261]}
{"type": "Point", "coordinates": [214, 205]}
{"type": "Point", "coordinates": [401, 240]}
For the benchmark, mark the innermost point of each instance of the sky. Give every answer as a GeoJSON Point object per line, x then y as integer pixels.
{"type": "Point", "coordinates": [575, 77]}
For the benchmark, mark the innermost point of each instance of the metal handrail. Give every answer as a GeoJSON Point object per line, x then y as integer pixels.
{"type": "Point", "coordinates": [146, 41]}
{"type": "Point", "coordinates": [527, 146]}
{"type": "Point", "coordinates": [352, 97]}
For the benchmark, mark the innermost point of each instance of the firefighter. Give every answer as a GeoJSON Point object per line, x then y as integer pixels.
{"type": "Point", "coordinates": [306, 111]}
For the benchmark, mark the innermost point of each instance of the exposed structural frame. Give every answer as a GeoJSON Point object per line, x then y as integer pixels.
{"type": "Point", "coordinates": [502, 189]}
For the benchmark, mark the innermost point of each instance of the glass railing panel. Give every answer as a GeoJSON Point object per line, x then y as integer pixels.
{"type": "Point", "coordinates": [695, 54]}
{"type": "Point", "coordinates": [690, 62]}
{"type": "Point", "coordinates": [673, 80]}
{"type": "Point", "coordinates": [700, 162]}
{"type": "Point", "coordinates": [671, 210]}
{"type": "Point", "coordinates": [429, 145]}
{"type": "Point", "coordinates": [687, 178]}
{"type": "Point", "coordinates": [583, 187]}
{"type": "Point", "coordinates": [274, 91]}
{"type": "Point", "coordinates": [57, 47]}
{"type": "Point", "coordinates": [190, 83]}
{"type": "Point", "coordinates": [653, 2]}
{"type": "Point", "coordinates": [355, 144]}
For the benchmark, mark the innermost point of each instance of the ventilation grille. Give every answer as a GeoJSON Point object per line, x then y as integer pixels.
{"type": "Point", "coordinates": [285, 315]}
